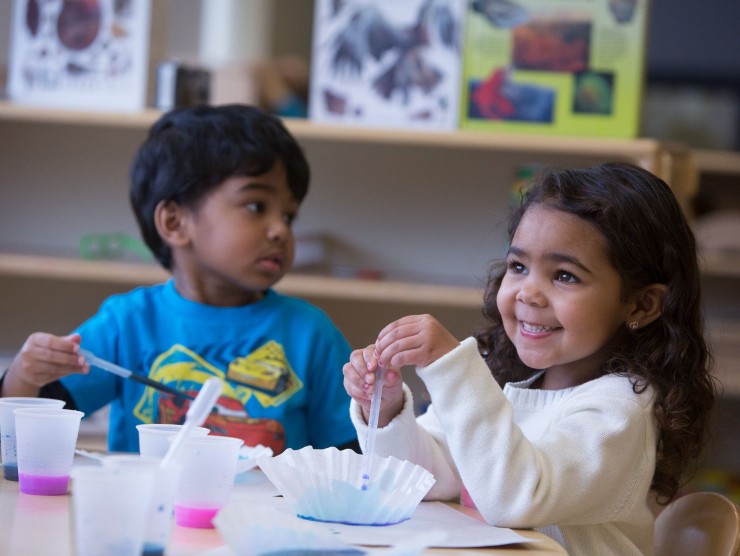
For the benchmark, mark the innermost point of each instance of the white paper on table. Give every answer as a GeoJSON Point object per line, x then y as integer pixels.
{"type": "Point", "coordinates": [257, 485]}
{"type": "Point", "coordinates": [462, 531]}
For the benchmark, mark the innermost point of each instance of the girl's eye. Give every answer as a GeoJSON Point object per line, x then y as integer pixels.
{"type": "Point", "coordinates": [565, 276]}
{"type": "Point", "coordinates": [516, 267]}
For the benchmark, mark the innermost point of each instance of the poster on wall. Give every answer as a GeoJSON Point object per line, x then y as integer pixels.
{"type": "Point", "coordinates": [80, 54]}
{"type": "Point", "coordinates": [565, 67]}
{"type": "Point", "coordinates": [387, 63]}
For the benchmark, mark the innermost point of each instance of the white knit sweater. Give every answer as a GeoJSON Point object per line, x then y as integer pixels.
{"type": "Point", "coordinates": [575, 464]}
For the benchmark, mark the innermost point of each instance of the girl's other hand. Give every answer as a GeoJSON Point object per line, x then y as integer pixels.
{"type": "Point", "coordinates": [43, 358]}
{"type": "Point", "coordinates": [417, 340]}
{"type": "Point", "coordinates": [359, 382]}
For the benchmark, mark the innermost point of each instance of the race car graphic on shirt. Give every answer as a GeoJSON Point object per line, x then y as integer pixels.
{"type": "Point", "coordinates": [265, 375]}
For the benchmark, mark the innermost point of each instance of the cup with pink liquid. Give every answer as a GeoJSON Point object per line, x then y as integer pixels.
{"type": "Point", "coordinates": [206, 479]}
{"type": "Point", "coordinates": [7, 429]}
{"type": "Point", "coordinates": [45, 440]}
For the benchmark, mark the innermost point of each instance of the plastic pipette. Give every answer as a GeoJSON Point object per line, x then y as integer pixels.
{"type": "Point", "coordinates": [96, 361]}
{"type": "Point", "coordinates": [196, 415]}
{"type": "Point", "coordinates": [372, 425]}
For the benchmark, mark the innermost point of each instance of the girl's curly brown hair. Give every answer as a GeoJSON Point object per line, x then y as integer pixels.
{"type": "Point", "coordinates": [648, 241]}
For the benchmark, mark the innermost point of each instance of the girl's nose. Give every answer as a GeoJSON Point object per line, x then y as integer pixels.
{"type": "Point", "coordinates": [530, 294]}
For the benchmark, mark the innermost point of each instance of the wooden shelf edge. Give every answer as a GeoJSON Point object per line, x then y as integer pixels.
{"type": "Point", "coordinates": [714, 264]}
{"type": "Point", "coordinates": [325, 287]}
{"type": "Point", "coordinates": [309, 285]}
{"type": "Point", "coordinates": [638, 148]}
{"type": "Point", "coordinates": [644, 151]}
{"type": "Point", "coordinates": [718, 162]}
{"type": "Point", "coordinates": [724, 336]}
{"type": "Point", "coordinates": [10, 111]}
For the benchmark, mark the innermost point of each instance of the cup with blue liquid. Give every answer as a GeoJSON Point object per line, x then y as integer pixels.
{"type": "Point", "coordinates": [160, 511]}
{"type": "Point", "coordinates": [7, 429]}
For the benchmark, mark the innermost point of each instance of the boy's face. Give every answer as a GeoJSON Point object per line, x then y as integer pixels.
{"type": "Point", "coordinates": [240, 240]}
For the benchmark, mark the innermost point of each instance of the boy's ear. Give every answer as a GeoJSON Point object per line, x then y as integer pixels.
{"type": "Point", "coordinates": [646, 305]}
{"type": "Point", "coordinates": [169, 219]}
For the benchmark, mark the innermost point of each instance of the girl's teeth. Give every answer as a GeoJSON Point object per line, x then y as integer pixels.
{"type": "Point", "coordinates": [536, 329]}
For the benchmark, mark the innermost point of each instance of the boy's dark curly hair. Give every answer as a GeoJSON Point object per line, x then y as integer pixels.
{"type": "Point", "coordinates": [648, 240]}
{"type": "Point", "coordinates": [190, 151]}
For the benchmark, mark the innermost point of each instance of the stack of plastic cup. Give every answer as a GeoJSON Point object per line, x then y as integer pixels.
{"type": "Point", "coordinates": [45, 440]}
{"type": "Point", "coordinates": [154, 438]}
{"type": "Point", "coordinates": [7, 429]}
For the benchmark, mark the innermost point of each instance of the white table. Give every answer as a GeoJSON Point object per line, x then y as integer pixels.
{"type": "Point", "coordinates": [42, 525]}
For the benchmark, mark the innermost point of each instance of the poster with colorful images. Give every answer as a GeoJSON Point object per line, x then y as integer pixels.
{"type": "Point", "coordinates": [80, 54]}
{"type": "Point", "coordinates": [558, 67]}
{"type": "Point", "coordinates": [387, 63]}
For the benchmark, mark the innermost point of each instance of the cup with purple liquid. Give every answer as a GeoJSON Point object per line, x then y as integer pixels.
{"type": "Point", "coordinates": [206, 480]}
{"type": "Point", "coordinates": [7, 429]}
{"type": "Point", "coordinates": [45, 441]}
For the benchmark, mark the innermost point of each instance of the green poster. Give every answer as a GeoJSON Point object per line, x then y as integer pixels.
{"type": "Point", "coordinates": [558, 67]}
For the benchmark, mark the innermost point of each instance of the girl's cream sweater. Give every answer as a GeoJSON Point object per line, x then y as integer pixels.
{"type": "Point", "coordinates": [575, 464]}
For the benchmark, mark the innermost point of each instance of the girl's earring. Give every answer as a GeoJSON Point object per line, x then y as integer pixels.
{"type": "Point", "coordinates": [634, 325]}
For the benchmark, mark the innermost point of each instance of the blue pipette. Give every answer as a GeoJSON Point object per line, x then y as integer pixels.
{"type": "Point", "coordinates": [95, 361]}
{"type": "Point", "coordinates": [372, 426]}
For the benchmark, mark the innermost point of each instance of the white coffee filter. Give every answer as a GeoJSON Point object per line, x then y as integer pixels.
{"type": "Point", "coordinates": [325, 485]}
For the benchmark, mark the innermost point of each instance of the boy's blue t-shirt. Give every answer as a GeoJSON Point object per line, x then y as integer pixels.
{"type": "Point", "coordinates": [280, 358]}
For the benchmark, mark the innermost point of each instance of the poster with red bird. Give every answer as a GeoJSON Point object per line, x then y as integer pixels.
{"type": "Point", "coordinates": [80, 54]}
{"type": "Point", "coordinates": [554, 67]}
{"type": "Point", "coordinates": [387, 63]}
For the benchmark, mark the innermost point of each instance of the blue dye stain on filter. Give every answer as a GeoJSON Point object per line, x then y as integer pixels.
{"type": "Point", "coordinates": [151, 549]}
{"type": "Point", "coordinates": [317, 552]}
{"type": "Point", "coordinates": [346, 504]}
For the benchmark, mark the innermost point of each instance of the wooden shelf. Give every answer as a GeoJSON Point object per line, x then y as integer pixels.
{"type": "Point", "coordinates": [718, 162]}
{"type": "Point", "coordinates": [645, 152]}
{"type": "Point", "coordinates": [31, 114]}
{"type": "Point", "coordinates": [301, 285]}
{"type": "Point", "coordinates": [720, 265]}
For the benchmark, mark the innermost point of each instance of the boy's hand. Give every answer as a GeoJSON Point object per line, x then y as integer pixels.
{"type": "Point", "coordinates": [43, 358]}
{"type": "Point", "coordinates": [417, 340]}
{"type": "Point", "coordinates": [359, 381]}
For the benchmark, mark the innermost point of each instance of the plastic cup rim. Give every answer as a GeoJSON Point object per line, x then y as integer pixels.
{"type": "Point", "coordinates": [207, 438]}
{"type": "Point", "coordinates": [31, 403]}
{"type": "Point", "coordinates": [48, 411]}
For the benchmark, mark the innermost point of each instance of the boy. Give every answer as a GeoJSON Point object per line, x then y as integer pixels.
{"type": "Point", "coordinates": [215, 191]}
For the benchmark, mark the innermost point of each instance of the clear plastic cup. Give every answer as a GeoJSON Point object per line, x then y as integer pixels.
{"type": "Point", "coordinates": [110, 506]}
{"type": "Point", "coordinates": [207, 479]}
{"type": "Point", "coordinates": [7, 429]}
{"type": "Point", "coordinates": [159, 522]}
{"type": "Point", "coordinates": [45, 439]}
{"type": "Point", "coordinates": [154, 437]}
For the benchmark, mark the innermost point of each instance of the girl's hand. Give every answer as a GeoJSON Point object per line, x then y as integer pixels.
{"type": "Point", "coordinates": [43, 358]}
{"type": "Point", "coordinates": [359, 381]}
{"type": "Point", "coordinates": [417, 340]}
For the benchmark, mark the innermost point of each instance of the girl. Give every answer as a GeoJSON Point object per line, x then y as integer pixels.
{"type": "Point", "coordinates": [588, 394]}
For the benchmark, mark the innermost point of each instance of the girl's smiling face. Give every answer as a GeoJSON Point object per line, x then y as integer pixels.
{"type": "Point", "coordinates": [561, 299]}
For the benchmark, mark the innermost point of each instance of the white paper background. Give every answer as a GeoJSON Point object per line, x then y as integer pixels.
{"type": "Point", "coordinates": [113, 70]}
{"type": "Point", "coordinates": [365, 106]}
